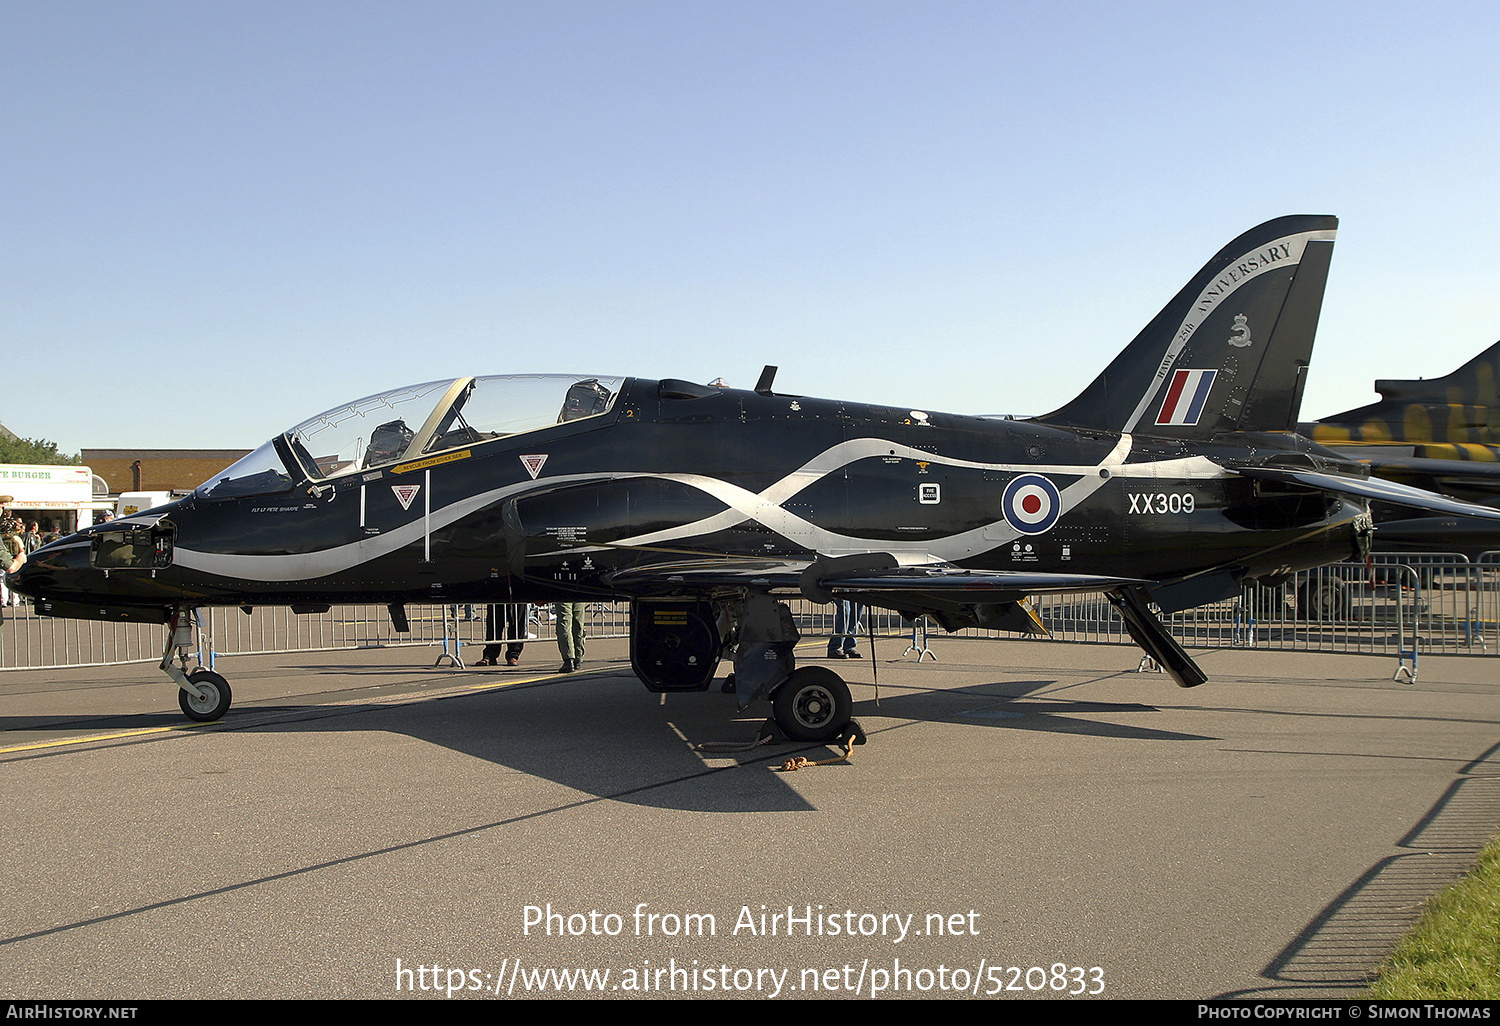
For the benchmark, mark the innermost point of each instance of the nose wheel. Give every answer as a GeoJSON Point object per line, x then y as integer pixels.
{"type": "Point", "coordinates": [211, 699]}
{"type": "Point", "coordinates": [813, 704]}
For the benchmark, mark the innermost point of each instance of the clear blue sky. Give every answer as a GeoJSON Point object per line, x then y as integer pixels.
{"type": "Point", "coordinates": [223, 217]}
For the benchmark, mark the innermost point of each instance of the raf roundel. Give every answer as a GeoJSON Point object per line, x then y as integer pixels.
{"type": "Point", "coordinates": [1031, 503]}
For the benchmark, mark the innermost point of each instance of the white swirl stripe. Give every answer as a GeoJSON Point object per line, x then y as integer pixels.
{"type": "Point", "coordinates": [763, 507]}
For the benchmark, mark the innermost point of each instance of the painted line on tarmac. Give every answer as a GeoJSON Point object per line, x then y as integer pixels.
{"type": "Point", "coordinates": [243, 722]}
{"type": "Point", "coordinates": [103, 737]}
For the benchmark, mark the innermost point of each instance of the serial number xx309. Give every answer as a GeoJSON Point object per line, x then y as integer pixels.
{"type": "Point", "coordinates": [1161, 502]}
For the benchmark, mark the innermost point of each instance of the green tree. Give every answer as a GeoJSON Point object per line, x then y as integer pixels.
{"type": "Point", "coordinates": [29, 450]}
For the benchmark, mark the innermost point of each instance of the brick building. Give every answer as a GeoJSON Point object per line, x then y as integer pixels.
{"type": "Point", "coordinates": [158, 470]}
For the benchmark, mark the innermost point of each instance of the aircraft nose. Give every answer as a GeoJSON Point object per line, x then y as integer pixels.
{"type": "Point", "coordinates": [51, 569]}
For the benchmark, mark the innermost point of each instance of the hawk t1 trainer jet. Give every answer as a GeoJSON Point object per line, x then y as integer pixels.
{"type": "Point", "coordinates": [1174, 477]}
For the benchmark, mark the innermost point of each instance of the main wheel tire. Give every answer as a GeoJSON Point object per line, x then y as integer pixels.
{"type": "Point", "coordinates": [813, 704]}
{"type": "Point", "coordinates": [212, 705]}
{"type": "Point", "coordinates": [1327, 600]}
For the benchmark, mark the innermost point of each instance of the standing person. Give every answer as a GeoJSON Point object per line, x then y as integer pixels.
{"type": "Point", "coordinates": [12, 548]}
{"type": "Point", "coordinates": [9, 564]}
{"type": "Point", "coordinates": [32, 537]}
{"type": "Point", "coordinates": [843, 642]}
{"type": "Point", "coordinates": [568, 622]}
{"type": "Point", "coordinates": [511, 619]}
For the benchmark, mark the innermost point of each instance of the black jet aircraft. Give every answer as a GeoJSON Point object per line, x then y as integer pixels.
{"type": "Point", "coordinates": [1173, 478]}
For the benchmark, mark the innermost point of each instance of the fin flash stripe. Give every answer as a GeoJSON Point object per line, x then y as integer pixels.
{"type": "Point", "coordinates": [1186, 396]}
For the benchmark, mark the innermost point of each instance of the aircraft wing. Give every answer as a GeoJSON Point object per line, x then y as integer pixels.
{"type": "Point", "coordinates": [952, 596]}
{"type": "Point", "coordinates": [1378, 489]}
{"type": "Point", "coordinates": [852, 576]}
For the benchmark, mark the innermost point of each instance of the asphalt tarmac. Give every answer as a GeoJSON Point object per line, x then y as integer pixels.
{"type": "Point", "coordinates": [1029, 819]}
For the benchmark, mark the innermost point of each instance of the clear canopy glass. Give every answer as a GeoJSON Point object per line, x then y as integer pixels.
{"type": "Point", "coordinates": [405, 423]}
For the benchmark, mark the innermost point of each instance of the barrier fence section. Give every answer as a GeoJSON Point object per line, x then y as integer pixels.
{"type": "Point", "coordinates": [42, 642]}
{"type": "Point", "coordinates": [1401, 606]}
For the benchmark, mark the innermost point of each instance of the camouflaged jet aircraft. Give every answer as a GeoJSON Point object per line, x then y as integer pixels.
{"type": "Point", "coordinates": [1441, 434]}
{"type": "Point", "coordinates": [1171, 480]}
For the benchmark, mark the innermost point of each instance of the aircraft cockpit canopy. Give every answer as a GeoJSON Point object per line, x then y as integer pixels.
{"type": "Point", "coordinates": [417, 420]}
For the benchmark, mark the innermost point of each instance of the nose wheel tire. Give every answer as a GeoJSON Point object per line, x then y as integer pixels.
{"type": "Point", "coordinates": [812, 705]}
{"type": "Point", "coordinates": [212, 704]}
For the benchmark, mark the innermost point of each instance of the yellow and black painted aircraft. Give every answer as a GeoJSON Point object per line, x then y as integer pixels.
{"type": "Point", "coordinates": [1441, 434]}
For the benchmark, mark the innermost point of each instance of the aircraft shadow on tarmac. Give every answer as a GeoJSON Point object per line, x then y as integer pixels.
{"type": "Point", "coordinates": [619, 743]}
{"type": "Point", "coordinates": [1014, 704]}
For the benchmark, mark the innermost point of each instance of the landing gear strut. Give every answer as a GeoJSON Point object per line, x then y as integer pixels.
{"type": "Point", "coordinates": [203, 695]}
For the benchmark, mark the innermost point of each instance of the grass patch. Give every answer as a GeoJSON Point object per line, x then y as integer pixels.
{"type": "Point", "coordinates": [1454, 950]}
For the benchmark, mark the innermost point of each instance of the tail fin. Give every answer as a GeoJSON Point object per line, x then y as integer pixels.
{"type": "Point", "coordinates": [1230, 351]}
{"type": "Point", "coordinates": [1462, 407]}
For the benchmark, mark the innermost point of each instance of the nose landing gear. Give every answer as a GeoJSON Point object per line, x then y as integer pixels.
{"type": "Point", "coordinates": [203, 695]}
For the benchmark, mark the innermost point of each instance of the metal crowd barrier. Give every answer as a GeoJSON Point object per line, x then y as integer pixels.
{"type": "Point", "coordinates": [41, 642]}
{"type": "Point", "coordinates": [1401, 606]}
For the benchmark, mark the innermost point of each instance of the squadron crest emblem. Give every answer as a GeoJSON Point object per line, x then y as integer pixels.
{"type": "Point", "coordinates": [1241, 337]}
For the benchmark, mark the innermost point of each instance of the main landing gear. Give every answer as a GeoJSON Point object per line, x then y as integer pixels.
{"type": "Point", "coordinates": [203, 694]}
{"type": "Point", "coordinates": [812, 704]}
{"type": "Point", "coordinates": [676, 645]}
